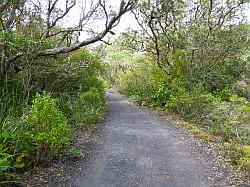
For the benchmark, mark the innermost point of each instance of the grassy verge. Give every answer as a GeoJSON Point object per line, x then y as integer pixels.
{"type": "Point", "coordinates": [197, 131]}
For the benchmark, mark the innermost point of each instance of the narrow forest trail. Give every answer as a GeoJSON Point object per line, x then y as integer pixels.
{"type": "Point", "coordinates": [136, 148]}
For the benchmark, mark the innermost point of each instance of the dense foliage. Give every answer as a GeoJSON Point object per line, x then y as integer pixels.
{"type": "Point", "coordinates": [191, 57]}
{"type": "Point", "coordinates": [41, 106]}
{"type": "Point", "coordinates": [49, 84]}
{"type": "Point", "coordinates": [196, 67]}
{"type": "Point", "coordinates": [224, 112]}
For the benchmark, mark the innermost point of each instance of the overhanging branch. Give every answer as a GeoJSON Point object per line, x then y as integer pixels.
{"type": "Point", "coordinates": [124, 7]}
{"type": "Point", "coordinates": [59, 48]}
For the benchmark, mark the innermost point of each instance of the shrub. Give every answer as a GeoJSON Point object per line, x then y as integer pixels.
{"type": "Point", "coordinates": [238, 154]}
{"type": "Point", "coordinates": [31, 132]}
{"type": "Point", "coordinates": [225, 93]}
{"type": "Point", "coordinates": [13, 97]}
{"type": "Point", "coordinates": [48, 125]}
{"type": "Point", "coordinates": [88, 107]}
{"type": "Point", "coordinates": [11, 156]}
{"type": "Point", "coordinates": [164, 88]}
{"type": "Point", "coordinates": [40, 134]}
{"type": "Point", "coordinates": [16, 144]}
{"type": "Point", "coordinates": [244, 161]}
{"type": "Point", "coordinates": [194, 106]}
{"type": "Point", "coordinates": [134, 84]}
{"type": "Point", "coordinates": [233, 118]}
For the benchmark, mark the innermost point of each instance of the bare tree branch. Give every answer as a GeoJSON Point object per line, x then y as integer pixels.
{"type": "Point", "coordinates": [102, 4]}
{"type": "Point", "coordinates": [107, 43]}
{"type": "Point", "coordinates": [69, 4]}
{"type": "Point", "coordinates": [67, 39]}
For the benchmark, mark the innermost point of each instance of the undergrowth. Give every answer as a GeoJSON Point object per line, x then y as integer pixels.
{"type": "Point", "coordinates": [37, 125]}
{"type": "Point", "coordinates": [219, 112]}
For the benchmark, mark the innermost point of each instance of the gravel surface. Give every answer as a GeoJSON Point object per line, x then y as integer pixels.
{"type": "Point", "coordinates": [139, 147]}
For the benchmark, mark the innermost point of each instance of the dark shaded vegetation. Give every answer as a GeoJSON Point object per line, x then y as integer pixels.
{"type": "Point", "coordinates": [38, 118]}
{"type": "Point", "coordinates": [49, 87]}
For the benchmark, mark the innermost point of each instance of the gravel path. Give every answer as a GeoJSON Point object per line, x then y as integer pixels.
{"type": "Point", "coordinates": [137, 147]}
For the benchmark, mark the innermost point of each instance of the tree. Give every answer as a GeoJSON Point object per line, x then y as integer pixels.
{"type": "Point", "coordinates": [30, 29]}
{"type": "Point", "coordinates": [179, 25]}
{"type": "Point", "coordinates": [210, 38]}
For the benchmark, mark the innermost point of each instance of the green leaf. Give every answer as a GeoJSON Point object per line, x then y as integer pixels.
{"type": "Point", "coordinates": [5, 165]}
{"type": "Point", "coordinates": [18, 165]}
{"type": "Point", "coordinates": [6, 135]}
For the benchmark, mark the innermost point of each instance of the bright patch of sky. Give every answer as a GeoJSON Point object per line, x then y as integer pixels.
{"type": "Point", "coordinates": [127, 20]}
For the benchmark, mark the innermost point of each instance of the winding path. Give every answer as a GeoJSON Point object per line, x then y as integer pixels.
{"type": "Point", "coordinates": [135, 148]}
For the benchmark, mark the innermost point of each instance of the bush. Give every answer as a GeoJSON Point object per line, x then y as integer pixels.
{"type": "Point", "coordinates": [36, 136]}
{"type": "Point", "coordinates": [165, 87]}
{"type": "Point", "coordinates": [238, 154]}
{"type": "Point", "coordinates": [233, 118]}
{"type": "Point", "coordinates": [31, 132]}
{"type": "Point", "coordinates": [13, 97]}
{"type": "Point", "coordinates": [87, 107]}
{"type": "Point", "coordinates": [65, 75]}
{"type": "Point", "coordinates": [194, 106]}
{"type": "Point", "coordinates": [138, 81]}
{"type": "Point", "coordinates": [48, 125]}
{"type": "Point", "coordinates": [12, 153]}
{"type": "Point", "coordinates": [226, 119]}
